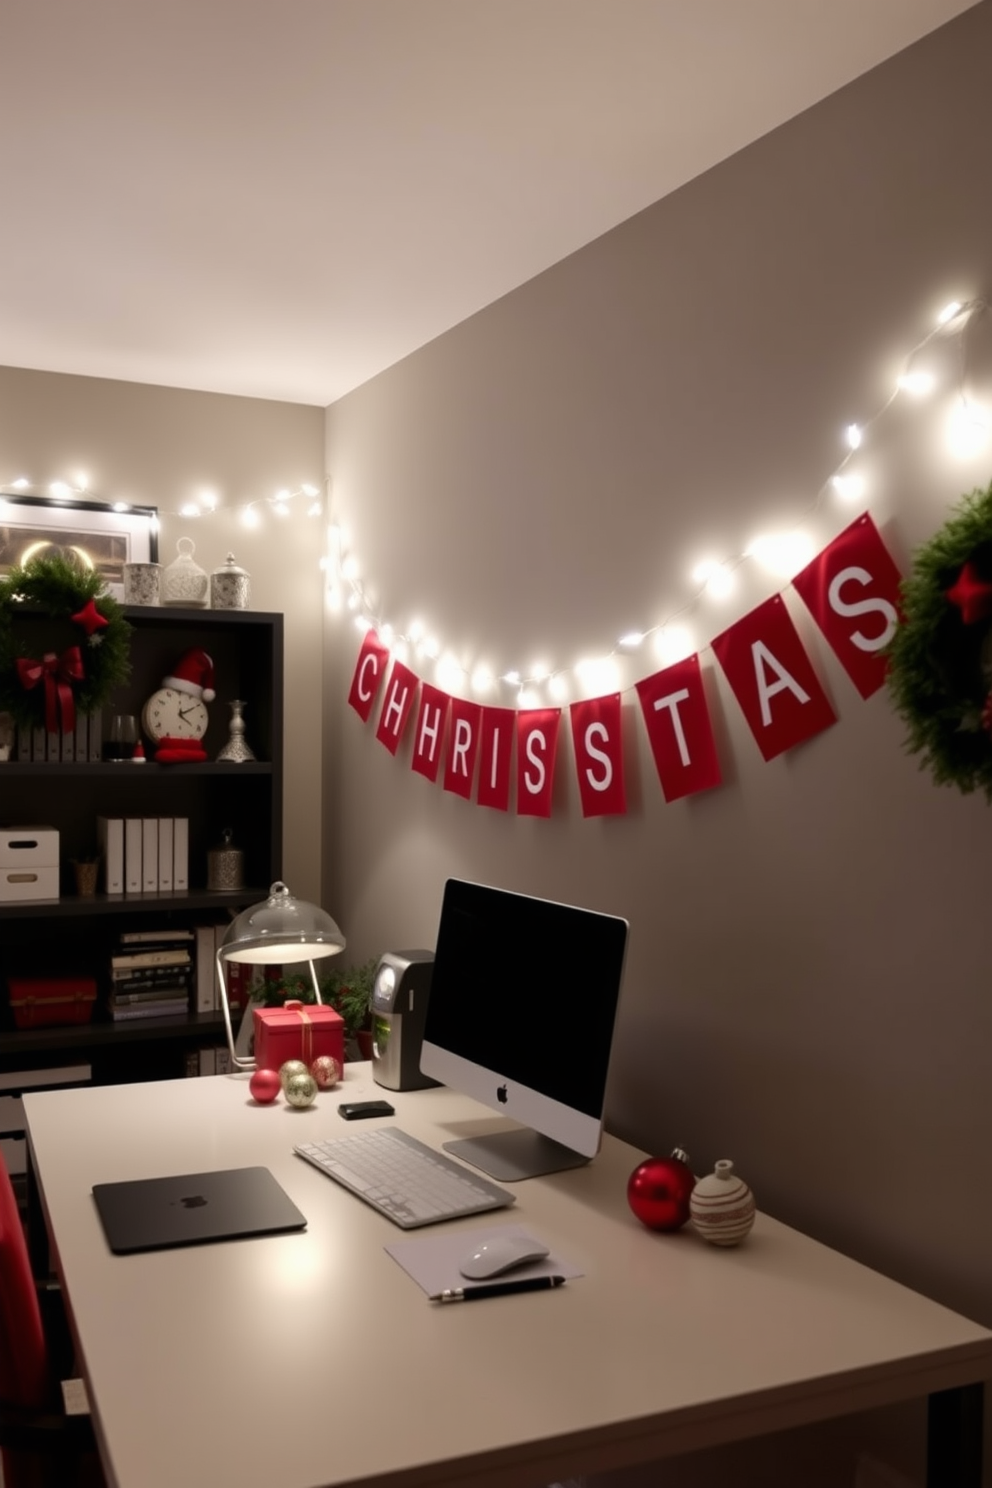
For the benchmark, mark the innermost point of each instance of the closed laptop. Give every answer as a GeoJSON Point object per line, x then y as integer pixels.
{"type": "Point", "coordinates": [194, 1209]}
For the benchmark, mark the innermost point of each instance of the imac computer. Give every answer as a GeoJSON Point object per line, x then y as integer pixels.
{"type": "Point", "coordinates": [523, 1001]}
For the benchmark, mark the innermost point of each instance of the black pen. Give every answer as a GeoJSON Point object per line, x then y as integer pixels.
{"type": "Point", "coordinates": [497, 1289]}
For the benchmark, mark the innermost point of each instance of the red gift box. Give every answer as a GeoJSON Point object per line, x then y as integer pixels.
{"type": "Point", "coordinates": [297, 1031]}
{"type": "Point", "coordinates": [37, 1001]}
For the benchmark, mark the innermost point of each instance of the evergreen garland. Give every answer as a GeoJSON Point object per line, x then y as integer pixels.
{"type": "Point", "coordinates": [60, 589]}
{"type": "Point", "coordinates": [940, 669]}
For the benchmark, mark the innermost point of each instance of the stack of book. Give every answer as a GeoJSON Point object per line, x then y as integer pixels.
{"type": "Point", "coordinates": [151, 974]}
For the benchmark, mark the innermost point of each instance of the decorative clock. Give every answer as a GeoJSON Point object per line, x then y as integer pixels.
{"type": "Point", "coordinates": [175, 717]}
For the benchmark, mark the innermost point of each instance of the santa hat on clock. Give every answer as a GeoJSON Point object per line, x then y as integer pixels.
{"type": "Point", "coordinates": [193, 675]}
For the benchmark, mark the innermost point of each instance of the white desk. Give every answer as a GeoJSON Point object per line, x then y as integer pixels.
{"type": "Point", "coordinates": [314, 1359]}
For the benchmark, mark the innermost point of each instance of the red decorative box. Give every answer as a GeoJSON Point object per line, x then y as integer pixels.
{"type": "Point", "coordinates": [297, 1031]}
{"type": "Point", "coordinates": [37, 1001]}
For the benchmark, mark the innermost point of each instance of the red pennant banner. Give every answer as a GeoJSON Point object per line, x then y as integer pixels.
{"type": "Point", "coordinates": [537, 744]}
{"type": "Point", "coordinates": [598, 746]}
{"type": "Point", "coordinates": [463, 746]}
{"type": "Point", "coordinates": [679, 729]}
{"type": "Point", "coordinates": [773, 679]}
{"type": "Point", "coordinates": [496, 757]}
{"type": "Point", "coordinates": [369, 672]}
{"type": "Point", "coordinates": [429, 732]}
{"type": "Point", "coordinates": [852, 592]}
{"type": "Point", "coordinates": [396, 705]}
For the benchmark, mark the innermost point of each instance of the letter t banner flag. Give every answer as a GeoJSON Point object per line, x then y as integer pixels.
{"type": "Point", "coordinates": [369, 670]}
{"type": "Point", "coordinates": [679, 729]}
{"type": "Point", "coordinates": [852, 591]}
{"type": "Point", "coordinates": [598, 750]}
{"type": "Point", "coordinates": [773, 679]}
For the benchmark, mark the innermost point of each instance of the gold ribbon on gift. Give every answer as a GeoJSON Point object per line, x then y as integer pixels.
{"type": "Point", "coordinates": [297, 1007]}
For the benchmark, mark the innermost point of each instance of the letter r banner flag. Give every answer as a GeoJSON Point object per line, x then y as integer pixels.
{"type": "Point", "coordinates": [773, 678]}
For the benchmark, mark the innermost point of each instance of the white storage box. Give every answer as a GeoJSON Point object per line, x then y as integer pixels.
{"type": "Point", "coordinates": [29, 863]}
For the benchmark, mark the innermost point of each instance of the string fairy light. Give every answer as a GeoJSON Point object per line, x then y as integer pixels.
{"type": "Point", "coordinates": [282, 503]}
{"type": "Point", "coordinates": [784, 554]}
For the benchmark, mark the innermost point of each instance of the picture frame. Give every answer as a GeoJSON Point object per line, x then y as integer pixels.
{"type": "Point", "coordinates": [93, 530]}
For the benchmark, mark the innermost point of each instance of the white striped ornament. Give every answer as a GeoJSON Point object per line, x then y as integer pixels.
{"type": "Point", "coordinates": [722, 1206]}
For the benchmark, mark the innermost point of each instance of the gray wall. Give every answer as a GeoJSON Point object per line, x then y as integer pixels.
{"type": "Point", "coordinates": [808, 985]}
{"type": "Point", "coordinates": [160, 447]}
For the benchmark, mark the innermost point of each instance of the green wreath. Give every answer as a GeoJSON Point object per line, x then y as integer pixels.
{"type": "Point", "coordinates": [81, 647]}
{"type": "Point", "coordinates": [940, 658]}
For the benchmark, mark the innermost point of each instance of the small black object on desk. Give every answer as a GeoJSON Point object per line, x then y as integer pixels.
{"type": "Point", "coordinates": [498, 1289]}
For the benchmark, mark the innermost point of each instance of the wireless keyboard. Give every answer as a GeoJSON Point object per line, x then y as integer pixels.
{"type": "Point", "coordinates": [405, 1180]}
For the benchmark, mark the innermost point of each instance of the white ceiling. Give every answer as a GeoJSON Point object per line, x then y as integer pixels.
{"type": "Point", "coordinates": [282, 197]}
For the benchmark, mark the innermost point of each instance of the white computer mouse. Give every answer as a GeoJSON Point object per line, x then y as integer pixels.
{"type": "Point", "coordinates": [501, 1253]}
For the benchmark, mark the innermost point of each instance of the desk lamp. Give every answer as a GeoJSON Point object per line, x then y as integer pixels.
{"type": "Point", "coordinates": [279, 930]}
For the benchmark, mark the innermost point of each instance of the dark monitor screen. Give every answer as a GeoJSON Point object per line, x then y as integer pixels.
{"type": "Point", "coordinates": [523, 1002]}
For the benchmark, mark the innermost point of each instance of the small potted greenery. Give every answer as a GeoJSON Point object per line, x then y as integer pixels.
{"type": "Point", "coordinates": [348, 992]}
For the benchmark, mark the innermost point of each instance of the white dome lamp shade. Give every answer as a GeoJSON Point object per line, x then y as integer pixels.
{"type": "Point", "coordinates": [275, 932]}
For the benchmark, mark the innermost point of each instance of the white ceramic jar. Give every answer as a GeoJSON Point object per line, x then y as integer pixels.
{"type": "Point", "coordinates": [185, 582]}
{"type": "Point", "coordinates": [722, 1206]}
{"type": "Point", "coordinates": [230, 586]}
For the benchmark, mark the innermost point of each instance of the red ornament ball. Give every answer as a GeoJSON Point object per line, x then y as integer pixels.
{"type": "Point", "coordinates": [265, 1085]}
{"type": "Point", "coordinates": [658, 1191]}
{"type": "Point", "coordinates": [326, 1071]}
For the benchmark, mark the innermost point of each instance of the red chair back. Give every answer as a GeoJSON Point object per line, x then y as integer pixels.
{"type": "Point", "coordinates": [24, 1372]}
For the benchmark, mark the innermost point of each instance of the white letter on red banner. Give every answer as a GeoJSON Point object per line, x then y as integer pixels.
{"type": "Point", "coordinates": [429, 733]}
{"type": "Point", "coordinates": [855, 577]}
{"type": "Point", "coordinates": [537, 743]}
{"type": "Point", "coordinates": [396, 706]}
{"type": "Point", "coordinates": [765, 664]}
{"type": "Point", "coordinates": [495, 757]}
{"type": "Point", "coordinates": [369, 669]}
{"type": "Point", "coordinates": [599, 755]}
{"type": "Point", "coordinates": [463, 746]}
{"type": "Point", "coordinates": [679, 729]}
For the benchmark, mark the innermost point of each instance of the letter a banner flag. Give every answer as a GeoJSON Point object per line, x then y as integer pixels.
{"type": "Point", "coordinates": [598, 750]}
{"type": "Point", "coordinates": [773, 679]}
{"type": "Point", "coordinates": [852, 591]}
{"type": "Point", "coordinates": [369, 671]}
{"type": "Point", "coordinates": [400, 693]}
{"type": "Point", "coordinates": [428, 735]}
{"type": "Point", "coordinates": [537, 744]}
{"type": "Point", "coordinates": [496, 757]}
{"type": "Point", "coordinates": [679, 729]}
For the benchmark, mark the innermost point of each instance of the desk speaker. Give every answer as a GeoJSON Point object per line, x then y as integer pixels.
{"type": "Point", "coordinates": [399, 1011]}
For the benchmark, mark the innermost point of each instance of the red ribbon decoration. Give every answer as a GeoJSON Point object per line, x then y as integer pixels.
{"type": "Point", "coordinates": [58, 674]}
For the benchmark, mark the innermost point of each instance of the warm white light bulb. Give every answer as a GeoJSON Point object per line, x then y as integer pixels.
{"type": "Point", "coordinates": [280, 508]}
{"type": "Point", "coordinates": [349, 567]}
{"type": "Point", "coordinates": [919, 384]}
{"type": "Point", "coordinates": [121, 506]}
{"type": "Point", "coordinates": [512, 677]}
{"type": "Point", "coordinates": [968, 429]}
{"type": "Point", "coordinates": [310, 490]}
{"type": "Point", "coordinates": [631, 640]}
{"type": "Point", "coordinates": [528, 698]}
{"type": "Point", "coordinates": [22, 483]}
{"type": "Point", "coordinates": [482, 679]}
{"type": "Point", "coordinates": [558, 687]}
{"type": "Point", "coordinates": [949, 311]}
{"type": "Point", "coordinates": [850, 487]}
{"type": "Point", "coordinates": [431, 647]}
{"type": "Point", "coordinates": [189, 509]}
{"type": "Point", "coordinates": [673, 643]}
{"type": "Point", "coordinates": [334, 597]}
{"type": "Point", "coordinates": [314, 509]}
{"type": "Point", "coordinates": [783, 553]}
{"type": "Point", "coordinates": [82, 480]}
{"type": "Point", "coordinates": [60, 488]}
{"type": "Point", "coordinates": [250, 517]}
{"type": "Point", "coordinates": [853, 435]}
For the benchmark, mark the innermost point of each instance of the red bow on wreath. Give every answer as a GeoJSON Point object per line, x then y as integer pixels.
{"type": "Point", "coordinates": [58, 674]}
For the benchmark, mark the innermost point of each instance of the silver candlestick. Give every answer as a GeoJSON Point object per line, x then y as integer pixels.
{"type": "Point", "coordinates": [236, 751]}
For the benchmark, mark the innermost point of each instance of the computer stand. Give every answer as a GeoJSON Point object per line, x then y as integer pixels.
{"type": "Point", "coordinates": [510, 1156]}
